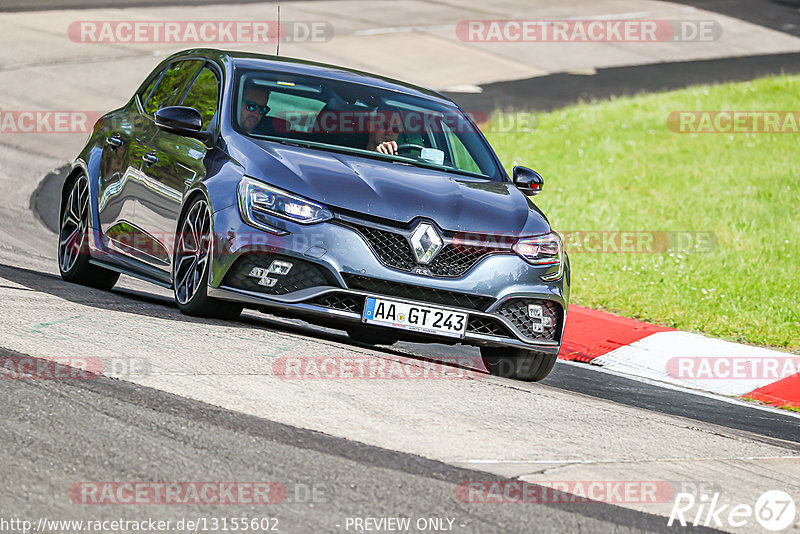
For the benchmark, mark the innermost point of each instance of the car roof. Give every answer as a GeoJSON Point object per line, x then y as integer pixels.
{"type": "Point", "coordinates": [312, 68]}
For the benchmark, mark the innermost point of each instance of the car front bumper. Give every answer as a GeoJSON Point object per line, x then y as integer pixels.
{"type": "Point", "coordinates": [335, 269]}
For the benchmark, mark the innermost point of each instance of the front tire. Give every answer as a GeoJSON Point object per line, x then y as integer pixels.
{"type": "Point", "coordinates": [520, 364]}
{"type": "Point", "coordinates": [191, 264]}
{"type": "Point", "coordinates": [73, 240]}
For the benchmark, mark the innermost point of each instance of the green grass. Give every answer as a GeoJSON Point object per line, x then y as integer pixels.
{"type": "Point", "coordinates": [614, 165]}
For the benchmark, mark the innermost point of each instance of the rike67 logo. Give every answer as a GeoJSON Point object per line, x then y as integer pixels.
{"type": "Point", "coordinates": [774, 510]}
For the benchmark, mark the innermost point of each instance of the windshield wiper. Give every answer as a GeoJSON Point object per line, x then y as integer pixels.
{"type": "Point", "coordinates": [286, 142]}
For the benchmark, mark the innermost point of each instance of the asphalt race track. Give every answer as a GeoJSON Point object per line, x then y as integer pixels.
{"type": "Point", "coordinates": [186, 399]}
{"type": "Point", "coordinates": [574, 377]}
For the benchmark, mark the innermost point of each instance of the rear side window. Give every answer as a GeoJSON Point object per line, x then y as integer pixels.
{"type": "Point", "coordinates": [203, 96]}
{"type": "Point", "coordinates": [170, 85]}
{"type": "Point", "coordinates": [150, 86]}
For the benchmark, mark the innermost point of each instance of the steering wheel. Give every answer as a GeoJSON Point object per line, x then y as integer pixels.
{"type": "Point", "coordinates": [409, 147]}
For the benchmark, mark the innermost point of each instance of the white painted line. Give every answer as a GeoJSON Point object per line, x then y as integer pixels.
{"type": "Point", "coordinates": [404, 29]}
{"type": "Point", "coordinates": [529, 461]}
{"type": "Point", "coordinates": [464, 88]}
{"type": "Point", "coordinates": [649, 460]}
{"type": "Point", "coordinates": [614, 16]}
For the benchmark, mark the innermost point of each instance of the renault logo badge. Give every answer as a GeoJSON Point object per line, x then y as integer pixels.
{"type": "Point", "coordinates": [426, 243]}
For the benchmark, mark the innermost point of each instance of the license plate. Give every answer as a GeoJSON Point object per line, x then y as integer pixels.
{"type": "Point", "coordinates": [415, 317]}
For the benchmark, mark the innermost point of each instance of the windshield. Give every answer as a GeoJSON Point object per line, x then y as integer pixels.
{"type": "Point", "coordinates": [369, 121]}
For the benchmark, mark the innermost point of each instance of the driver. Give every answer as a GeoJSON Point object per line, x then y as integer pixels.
{"type": "Point", "coordinates": [384, 129]}
{"type": "Point", "coordinates": [253, 106]}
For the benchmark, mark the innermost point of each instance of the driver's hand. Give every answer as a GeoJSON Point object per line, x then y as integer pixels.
{"type": "Point", "coordinates": [387, 147]}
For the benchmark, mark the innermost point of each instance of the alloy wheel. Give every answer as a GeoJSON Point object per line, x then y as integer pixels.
{"type": "Point", "coordinates": [191, 256]}
{"type": "Point", "coordinates": [74, 225]}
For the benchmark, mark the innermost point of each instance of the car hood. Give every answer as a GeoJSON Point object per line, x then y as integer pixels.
{"type": "Point", "coordinates": [395, 191]}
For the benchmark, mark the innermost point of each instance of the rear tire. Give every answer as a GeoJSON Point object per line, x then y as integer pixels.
{"type": "Point", "coordinates": [190, 266]}
{"type": "Point", "coordinates": [520, 364]}
{"type": "Point", "coordinates": [73, 240]}
{"type": "Point", "coordinates": [370, 335]}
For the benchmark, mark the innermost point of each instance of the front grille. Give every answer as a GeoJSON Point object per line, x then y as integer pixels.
{"type": "Point", "coordinates": [418, 293]}
{"type": "Point", "coordinates": [394, 250]}
{"type": "Point", "coordinates": [487, 326]}
{"type": "Point", "coordinates": [340, 301]}
{"type": "Point", "coordinates": [516, 311]}
{"type": "Point", "coordinates": [455, 260]}
{"type": "Point", "coordinates": [302, 275]}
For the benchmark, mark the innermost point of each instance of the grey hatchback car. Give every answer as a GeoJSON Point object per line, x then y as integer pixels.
{"type": "Point", "coordinates": [313, 191]}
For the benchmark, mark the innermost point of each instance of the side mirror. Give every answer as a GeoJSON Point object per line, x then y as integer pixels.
{"type": "Point", "coordinates": [528, 181]}
{"type": "Point", "coordinates": [181, 120]}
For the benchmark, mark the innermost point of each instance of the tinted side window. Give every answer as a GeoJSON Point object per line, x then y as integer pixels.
{"type": "Point", "coordinates": [204, 96]}
{"type": "Point", "coordinates": [169, 86]}
{"type": "Point", "coordinates": [298, 111]}
{"type": "Point", "coordinates": [461, 156]}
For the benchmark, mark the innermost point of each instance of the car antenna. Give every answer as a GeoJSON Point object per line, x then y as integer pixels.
{"type": "Point", "coordinates": [278, 43]}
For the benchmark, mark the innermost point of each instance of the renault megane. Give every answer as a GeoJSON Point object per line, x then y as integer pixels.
{"type": "Point", "coordinates": [313, 191]}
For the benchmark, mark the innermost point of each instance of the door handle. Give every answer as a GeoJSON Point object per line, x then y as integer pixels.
{"type": "Point", "coordinates": [150, 158]}
{"type": "Point", "coordinates": [114, 141]}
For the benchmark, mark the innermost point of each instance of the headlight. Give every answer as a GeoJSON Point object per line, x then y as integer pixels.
{"type": "Point", "coordinates": [257, 198]}
{"type": "Point", "coordinates": [543, 250]}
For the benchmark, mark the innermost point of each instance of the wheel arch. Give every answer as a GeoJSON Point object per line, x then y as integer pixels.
{"type": "Point", "coordinates": [189, 198]}
{"type": "Point", "coordinates": [73, 174]}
